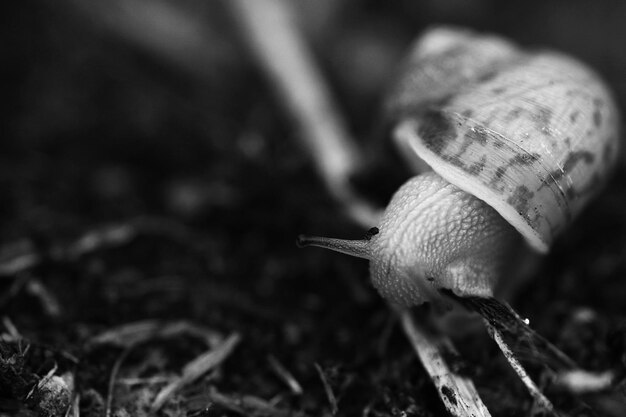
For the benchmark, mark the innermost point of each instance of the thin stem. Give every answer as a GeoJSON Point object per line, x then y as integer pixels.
{"type": "Point", "coordinates": [540, 399]}
{"type": "Point", "coordinates": [273, 36]}
{"type": "Point", "coordinates": [112, 378]}
{"type": "Point", "coordinates": [503, 317]}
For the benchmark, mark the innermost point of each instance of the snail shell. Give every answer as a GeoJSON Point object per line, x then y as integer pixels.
{"type": "Point", "coordinates": [533, 134]}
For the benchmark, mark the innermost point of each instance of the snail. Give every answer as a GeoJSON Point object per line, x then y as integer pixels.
{"type": "Point", "coordinates": [508, 146]}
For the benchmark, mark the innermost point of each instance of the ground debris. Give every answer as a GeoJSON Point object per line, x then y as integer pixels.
{"type": "Point", "coordinates": [131, 334]}
{"type": "Point", "coordinates": [196, 368]}
{"type": "Point", "coordinates": [579, 381]}
{"type": "Point", "coordinates": [53, 395]}
{"type": "Point", "coordinates": [330, 395]}
{"type": "Point", "coordinates": [286, 376]}
{"type": "Point", "coordinates": [246, 405]}
{"type": "Point", "coordinates": [22, 255]}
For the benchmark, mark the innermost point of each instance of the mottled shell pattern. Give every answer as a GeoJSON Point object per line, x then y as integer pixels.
{"type": "Point", "coordinates": [533, 134]}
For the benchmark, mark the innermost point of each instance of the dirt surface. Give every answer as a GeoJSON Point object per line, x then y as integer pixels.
{"type": "Point", "coordinates": [142, 184]}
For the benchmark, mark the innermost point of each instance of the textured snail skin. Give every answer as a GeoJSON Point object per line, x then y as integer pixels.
{"type": "Point", "coordinates": [434, 235]}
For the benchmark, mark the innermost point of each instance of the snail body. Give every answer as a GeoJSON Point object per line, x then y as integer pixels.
{"type": "Point", "coordinates": [505, 142]}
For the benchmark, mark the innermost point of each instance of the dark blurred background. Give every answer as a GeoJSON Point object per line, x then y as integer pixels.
{"type": "Point", "coordinates": [162, 96]}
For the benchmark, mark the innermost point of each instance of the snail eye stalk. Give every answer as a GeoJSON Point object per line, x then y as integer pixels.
{"type": "Point", "coordinates": [359, 248]}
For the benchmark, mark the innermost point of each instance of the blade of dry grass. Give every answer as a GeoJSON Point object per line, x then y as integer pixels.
{"type": "Point", "coordinates": [540, 400]}
{"type": "Point", "coordinates": [332, 400]}
{"type": "Point", "coordinates": [196, 368]}
{"type": "Point", "coordinates": [286, 60]}
{"type": "Point", "coordinates": [131, 334]}
{"type": "Point", "coordinates": [248, 405]}
{"type": "Point", "coordinates": [516, 332]}
{"type": "Point", "coordinates": [113, 377]}
{"type": "Point", "coordinates": [513, 335]}
{"type": "Point", "coordinates": [13, 333]}
{"type": "Point", "coordinates": [286, 376]}
{"type": "Point", "coordinates": [47, 299]}
{"type": "Point", "coordinates": [269, 29]}
{"type": "Point", "coordinates": [458, 393]}
{"type": "Point", "coordinates": [17, 256]}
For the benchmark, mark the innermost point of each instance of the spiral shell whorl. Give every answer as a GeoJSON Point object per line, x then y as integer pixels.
{"type": "Point", "coordinates": [532, 134]}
